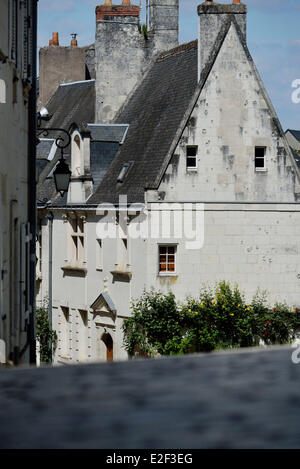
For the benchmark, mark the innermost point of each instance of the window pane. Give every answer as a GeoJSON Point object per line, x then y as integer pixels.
{"type": "Point", "coordinates": [163, 258]}
{"type": "Point", "coordinates": [171, 250]}
{"type": "Point", "coordinates": [171, 267]}
{"type": "Point", "coordinates": [259, 162]}
{"type": "Point", "coordinates": [191, 151]}
{"type": "Point", "coordinates": [163, 267]}
{"type": "Point", "coordinates": [259, 152]}
{"type": "Point", "coordinates": [163, 249]}
{"type": "Point", "coordinates": [191, 162]}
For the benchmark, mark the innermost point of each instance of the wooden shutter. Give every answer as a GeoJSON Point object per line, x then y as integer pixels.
{"type": "Point", "coordinates": [25, 275]}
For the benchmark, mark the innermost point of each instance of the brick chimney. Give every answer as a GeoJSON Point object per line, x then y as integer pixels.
{"type": "Point", "coordinates": [212, 17]}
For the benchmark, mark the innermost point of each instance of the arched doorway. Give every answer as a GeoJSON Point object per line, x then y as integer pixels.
{"type": "Point", "coordinates": [109, 344]}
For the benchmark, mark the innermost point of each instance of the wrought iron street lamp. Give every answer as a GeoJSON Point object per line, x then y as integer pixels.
{"type": "Point", "coordinates": [62, 173]}
{"type": "Point", "coordinates": [62, 176]}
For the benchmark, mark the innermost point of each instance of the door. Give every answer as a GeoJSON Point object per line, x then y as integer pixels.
{"type": "Point", "coordinates": [107, 339]}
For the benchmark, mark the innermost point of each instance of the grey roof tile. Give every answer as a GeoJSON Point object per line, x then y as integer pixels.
{"type": "Point", "coordinates": [154, 113]}
{"type": "Point", "coordinates": [295, 133]}
{"type": "Point", "coordinates": [71, 104]}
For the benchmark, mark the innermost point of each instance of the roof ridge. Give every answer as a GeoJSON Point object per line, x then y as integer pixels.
{"type": "Point", "coordinates": [178, 50]}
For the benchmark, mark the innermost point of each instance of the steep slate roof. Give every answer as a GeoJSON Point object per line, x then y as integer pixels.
{"type": "Point", "coordinates": [154, 114]}
{"type": "Point", "coordinates": [102, 154]}
{"type": "Point", "coordinates": [44, 148]}
{"type": "Point", "coordinates": [72, 103]}
{"type": "Point", "coordinates": [295, 133]}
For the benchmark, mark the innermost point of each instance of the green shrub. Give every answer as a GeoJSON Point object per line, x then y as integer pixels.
{"type": "Point", "coordinates": [46, 336]}
{"type": "Point", "coordinates": [220, 318]}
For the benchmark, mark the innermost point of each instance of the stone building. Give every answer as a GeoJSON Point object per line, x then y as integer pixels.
{"type": "Point", "coordinates": [191, 181]}
{"type": "Point", "coordinates": [17, 179]}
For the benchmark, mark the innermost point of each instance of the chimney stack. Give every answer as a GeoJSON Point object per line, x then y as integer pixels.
{"type": "Point", "coordinates": [55, 39]}
{"type": "Point", "coordinates": [164, 20]}
{"type": "Point", "coordinates": [74, 42]}
{"type": "Point", "coordinates": [212, 18]}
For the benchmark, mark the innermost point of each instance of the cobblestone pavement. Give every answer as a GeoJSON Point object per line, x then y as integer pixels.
{"type": "Point", "coordinates": [247, 399]}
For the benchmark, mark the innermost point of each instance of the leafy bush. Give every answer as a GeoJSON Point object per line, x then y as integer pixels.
{"type": "Point", "coordinates": [46, 336]}
{"type": "Point", "coordinates": [219, 318]}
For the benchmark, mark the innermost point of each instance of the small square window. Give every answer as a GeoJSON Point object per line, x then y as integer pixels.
{"type": "Point", "coordinates": [191, 157]}
{"type": "Point", "coordinates": [167, 259]}
{"type": "Point", "coordinates": [260, 158]}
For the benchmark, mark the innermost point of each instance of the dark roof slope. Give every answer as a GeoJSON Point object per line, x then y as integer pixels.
{"type": "Point", "coordinates": [72, 103]}
{"type": "Point", "coordinates": [295, 133]}
{"type": "Point", "coordinates": [102, 154]}
{"type": "Point", "coordinates": [296, 157]}
{"type": "Point", "coordinates": [154, 113]}
{"type": "Point", "coordinates": [43, 149]}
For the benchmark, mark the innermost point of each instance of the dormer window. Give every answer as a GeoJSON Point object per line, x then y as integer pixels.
{"type": "Point", "coordinates": [124, 171]}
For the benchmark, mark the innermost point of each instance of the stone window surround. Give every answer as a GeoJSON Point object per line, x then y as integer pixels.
{"type": "Point", "coordinates": [75, 263]}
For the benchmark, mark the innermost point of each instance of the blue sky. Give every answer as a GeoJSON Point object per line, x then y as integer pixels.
{"type": "Point", "coordinates": [273, 39]}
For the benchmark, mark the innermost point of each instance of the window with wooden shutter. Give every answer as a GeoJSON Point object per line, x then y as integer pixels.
{"type": "Point", "coordinates": [25, 275]}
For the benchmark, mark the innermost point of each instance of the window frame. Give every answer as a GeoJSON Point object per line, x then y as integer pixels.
{"type": "Point", "coordinates": [264, 167]}
{"type": "Point", "coordinates": [77, 238]}
{"type": "Point", "coordinates": [167, 273]}
{"type": "Point", "coordinates": [191, 168]}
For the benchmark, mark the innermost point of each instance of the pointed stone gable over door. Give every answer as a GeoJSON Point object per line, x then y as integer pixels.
{"type": "Point", "coordinates": [231, 117]}
{"type": "Point", "coordinates": [104, 310]}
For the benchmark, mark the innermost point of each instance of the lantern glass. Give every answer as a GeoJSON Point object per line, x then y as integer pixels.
{"type": "Point", "coordinates": [62, 175]}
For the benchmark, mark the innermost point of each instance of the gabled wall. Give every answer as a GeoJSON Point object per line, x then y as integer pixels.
{"type": "Point", "coordinates": [231, 117]}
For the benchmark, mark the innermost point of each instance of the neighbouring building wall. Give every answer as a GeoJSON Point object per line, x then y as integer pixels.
{"type": "Point", "coordinates": [16, 60]}
{"type": "Point", "coordinates": [59, 65]}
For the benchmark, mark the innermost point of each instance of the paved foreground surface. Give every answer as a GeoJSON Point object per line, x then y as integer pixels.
{"type": "Point", "coordinates": [233, 400]}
